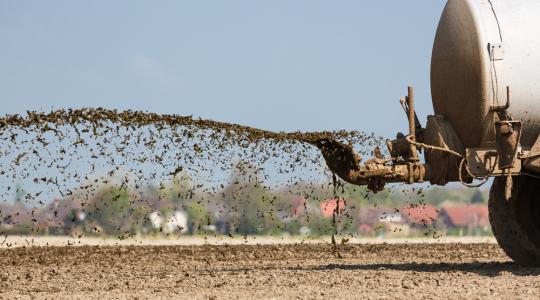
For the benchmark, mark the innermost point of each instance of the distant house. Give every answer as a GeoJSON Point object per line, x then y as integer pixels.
{"type": "Point", "coordinates": [61, 216]}
{"type": "Point", "coordinates": [364, 228]}
{"type": "Point", "coordinates": [328, 207]}
{"type": "Point", "coordinates": [423, 214]}
{"type": "Point", "coordinates": [370, 219]}
{"type": "Point", "coordinates": [466, 216]}
{"type": "Point", "coordinates": [62, 212]}
{"type": "Point", "coordinates": [371, 216]}
{"type": "Point", "coordinates": [177, 222]}
{"type": "Point", "coordinates": [12, 215]}
{"type": "Point", "coordinates": [299, 206]}
{"type": "Point", "coordinates": [155, 219]}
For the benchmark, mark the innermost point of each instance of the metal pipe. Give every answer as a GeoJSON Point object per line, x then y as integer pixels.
{"type": "Point", "coordinates": [412, 125]}
{"type": "Point", "coordinates": [410, 103]}
{"type": "Point", "coordinates": [343, 161]}
{"type": "Point", "coordinates": [376, 175]}
{"type": "Point", "coordinates": [507, 106]}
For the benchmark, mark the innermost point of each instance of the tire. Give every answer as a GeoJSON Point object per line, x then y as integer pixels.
{"type": "Point", "coordinates": [516, 222]}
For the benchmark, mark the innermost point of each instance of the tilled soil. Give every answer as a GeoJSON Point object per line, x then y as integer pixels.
{"type": "Point", "coordinates": [266, 271]}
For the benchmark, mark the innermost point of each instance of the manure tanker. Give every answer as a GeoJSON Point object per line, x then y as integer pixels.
{"type": "Point", "coordinates": [485, 86]}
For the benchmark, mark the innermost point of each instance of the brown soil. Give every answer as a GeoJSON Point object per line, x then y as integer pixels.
{"type": "Point", "coordinates": [269, 271]}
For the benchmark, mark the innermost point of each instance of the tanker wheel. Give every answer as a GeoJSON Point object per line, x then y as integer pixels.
{"type": "Point", "coordinates": [516, 223]}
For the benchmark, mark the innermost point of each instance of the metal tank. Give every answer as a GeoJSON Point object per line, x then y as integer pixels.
{"type": "Point", "coordinates": [480, 48]}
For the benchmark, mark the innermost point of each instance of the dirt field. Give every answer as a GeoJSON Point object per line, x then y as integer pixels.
{"type": "Point", "coordinates": [269, 271]}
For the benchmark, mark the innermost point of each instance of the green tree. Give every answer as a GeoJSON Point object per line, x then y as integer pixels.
{"type": "Point", "coordinates": [198, 216]}
{"type": "Point", "coordinates": [110, 207]}
{"type": "Point", "coordinates": [250, 207]}
{"type": "Point", "coordinates": [179, 189]}
{"type": "Point", "coordinates": [139, 216]}
{"type": "Point", "coordinates": [477, 197]}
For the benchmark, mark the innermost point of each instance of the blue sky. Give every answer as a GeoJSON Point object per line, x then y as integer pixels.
{"type": "Point", "coordinates": [281, 65]}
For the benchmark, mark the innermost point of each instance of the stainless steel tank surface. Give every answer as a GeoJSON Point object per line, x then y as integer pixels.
{"type": "Point", "coordinates": [481, 47]}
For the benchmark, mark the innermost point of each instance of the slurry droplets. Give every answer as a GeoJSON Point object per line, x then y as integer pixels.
{"type": "Point", "coordinates": [150, 159]}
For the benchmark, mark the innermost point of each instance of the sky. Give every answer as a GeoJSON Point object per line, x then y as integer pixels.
{"type": "Point", "coordinates": [286, 65]}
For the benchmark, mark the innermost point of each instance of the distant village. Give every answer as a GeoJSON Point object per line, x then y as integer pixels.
{"type": "Point", "coordinates": [116, 212]}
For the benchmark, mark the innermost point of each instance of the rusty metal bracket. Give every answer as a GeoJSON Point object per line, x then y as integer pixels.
{"type": "Point", "coordinates": [507, 136]}
{"type": "Point", "coordinates": [484, 162]}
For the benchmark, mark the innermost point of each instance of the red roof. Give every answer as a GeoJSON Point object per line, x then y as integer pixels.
{"type": "Point", "coordinates": [329, 206]}
{"type": "Point", "coordinates": [465, 215]}
{"type": "Point", "coordinates": [424, 214]}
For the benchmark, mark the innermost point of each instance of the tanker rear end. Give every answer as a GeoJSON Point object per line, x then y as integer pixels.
{"type": "Point", "coordinates": [485, 85]}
